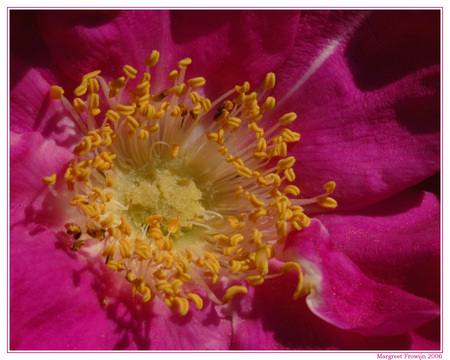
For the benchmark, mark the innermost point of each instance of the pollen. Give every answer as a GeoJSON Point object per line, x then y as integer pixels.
{"type": "Point", "coordinates": [177, 192]}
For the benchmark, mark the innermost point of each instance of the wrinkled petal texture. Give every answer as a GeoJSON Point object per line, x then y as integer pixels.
{"type": "Point", "coordinates": [215, 39]}
{"type": "Point", "coordinates": [32, 158]}
{"type": "Point", "coordinates": [80, 292]}
{"type": "Point", "coordinates": [56, 310]}
{"type": "Point", "coordinates": [32, 110]}
{"type": "Point", "coordinates": [366, 89]}
{"type": "Point", "coordinates": [345, 296]}
{"type": "Point", "coordinates": [270, 320]}
{"type": "Point", "coordinates": [370, 114]}
{"type": "Point", "coordinates": [394, 243]}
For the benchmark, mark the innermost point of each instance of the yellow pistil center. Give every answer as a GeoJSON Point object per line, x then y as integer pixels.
{"type": "Point", "coordinates": [169, 192]}
{"type": "Point", "coordinates": [177, 192]}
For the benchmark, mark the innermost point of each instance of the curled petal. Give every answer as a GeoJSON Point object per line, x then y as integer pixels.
{"type": "Point", "coordinates": [344, 296]}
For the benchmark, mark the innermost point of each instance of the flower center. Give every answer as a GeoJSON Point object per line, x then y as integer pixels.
{"type": "Point", "coordinates": [178, 192]}
{"type": "Point", "coordinates": [164, 190]}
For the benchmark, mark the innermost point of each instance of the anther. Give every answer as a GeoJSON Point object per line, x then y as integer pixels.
{"type": "Point", "coordinates": [329, 187]}
{"type": "Point", "coordinates": [197, 300]}
{"type": "Point", "coordinates": [288, 118]}
{"type": "Point", "coordinates": [147, 295]}
{"type": "Point", "coordinates": [269, 82]}
{"type": "Point", "coordinates": [81, 89]}
{"type": "Point", "coordinates": [243, 89]}
{"type": "Point", "coordinates": [93, 86]}
{"type": "Point", "coordinates": [118, 83]}
{"type": "Point", "coordinates": [56, 92]}
{"type": "Point", "coordinates": [90, 75]}
{"type": "Point", "coordinates": [173, 75]}
{"type": "Point", "coordinates": [130, 71]}
{"type": "Point", "coordinates": [255, 280]}
{"type": "Point", "coordinates": [290, 174]}
{"type": "Point", "coordinates": [73, 229]}
{"type": "Point", "coordinates": [326, 202]}
{"type": "Point", "coordinates": [232, 291]}
{"type": "Point", "coordinates": [112, 116]}
{"type": "Point", "coordinates": [125, 109]}
{"type": "Point", "coordinates": [291, 189]}
{"type": "Point", "coordinates": [268, 104]}
{"type": "Point", "coordinates": [79, 105]}
{"type": "Point", "coordinates": [183, 64]}
{"type": "Point", "coordinates": [287, 163]}
{"type": "Point", "coordinates": [196, 82]}
{"type": "Point", "coordinates": [289, 266]}
{"type": "Point", "coordinates": [114, 265]}
{"type": "Point", "coordinates": [152, 60]}
{"type": "Point", "coordinates": [49, 180]}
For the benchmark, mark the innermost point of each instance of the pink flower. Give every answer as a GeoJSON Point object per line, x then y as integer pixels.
{"type": "Point", "coordinates": [365, 87]}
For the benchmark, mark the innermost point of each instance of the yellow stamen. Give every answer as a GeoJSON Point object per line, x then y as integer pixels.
{"type": "Point", "coordinates": [173, 75]}
{"type": "Point", "coordinates": [243, 89]}
{"type": "Point", "coordinates": [112, 116]}
{"type": "Point", "coordinates": [255, 280]}
{"type": "Point", "coordinates": [152, 60]}
{"type": "Point", "coordinates": [288, 118]}
{"type": "Point", "coordinates": [173, 225]}
{"type": "Point", "coordinates": [232, 291]}
{"type": "Point", "coordinates": [269, 82]}
{"type": "Point", "coordinates": [287, 163]}
{"type": "Point", "coordinates": [125, 109]}
{"type": "Point", "coordinates": [196, 82]}
{"type": "Point", "coordinates": [329, 187]}
{"type": "Point", "coordinates": [197, 300]}
{"type": "Point", "coordinates": [82, 89]}
{"type": "Point", "coordinates": [183, 64]}
{"type": "Point", "coordinates": [130, 71]}
{"type": "Point", "coordinates": [147, 294]}
{"type": "Point", "coordinates": [291, 189]}
{"type": "Point", "coordinates": [93, 86]}
{"type": "Point", "coordinates": [326, 202]}
{"type": "Point", "coordinates": [56, 92]}
{"type": "Point", "coordinates": [114, 265]}
{"type": "Point", "coordinates": [90, 75]}
{"type": "Point", "coordinates": [49, 180]}
{"type": "Point", "coordinates": [175, 149]}
{"type": "Point", "coordinates": [268, 104]}
{"type": "Point", "coordinates": [156, 197]}
{"type": "Point", "coordinates": [118, 83]}
{"type": "Point", "coordinates": [79, 105]}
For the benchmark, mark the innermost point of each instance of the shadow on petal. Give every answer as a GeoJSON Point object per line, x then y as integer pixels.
{"type": "Point", "coordinates": [269, 319]}
{"type": "Point", "coordinates": [146, 325]}
{"type": "Point", "coordinates": [392, 44]}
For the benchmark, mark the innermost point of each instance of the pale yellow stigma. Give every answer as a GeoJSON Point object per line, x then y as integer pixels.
{"type": "Point", "coordinates": [180, 194]}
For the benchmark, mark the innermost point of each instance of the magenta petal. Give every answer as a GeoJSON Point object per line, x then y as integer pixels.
{"type": "Point", "coordinates": [347, 298]}
{"type": "Point", "coordinates": [57, 295]}
{"type": "Point", "coordinates": [261, 40]}
{"type": "Point", "coordinates": [101, 40]}
{"type": "Point", "coordinates": [396, 241]}
{"type": "Point", "coordinates": [32, 158]}
{"type": "Point", "coordinates": [107, 40]}
{"type": "Point", "coordinates": [356, 129]}
{"type": "Point", "coordinates": [269, 319]}
{"type": "Point", "coordinates": [53, 303]}
{"type": "Point", "coordinates": [198, 330]}
{"type": "Point", "coordinates": [33, 110]}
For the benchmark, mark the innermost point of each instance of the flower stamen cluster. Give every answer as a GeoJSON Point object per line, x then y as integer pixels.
{"type": "Point", "coordinates": [179, 193]}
